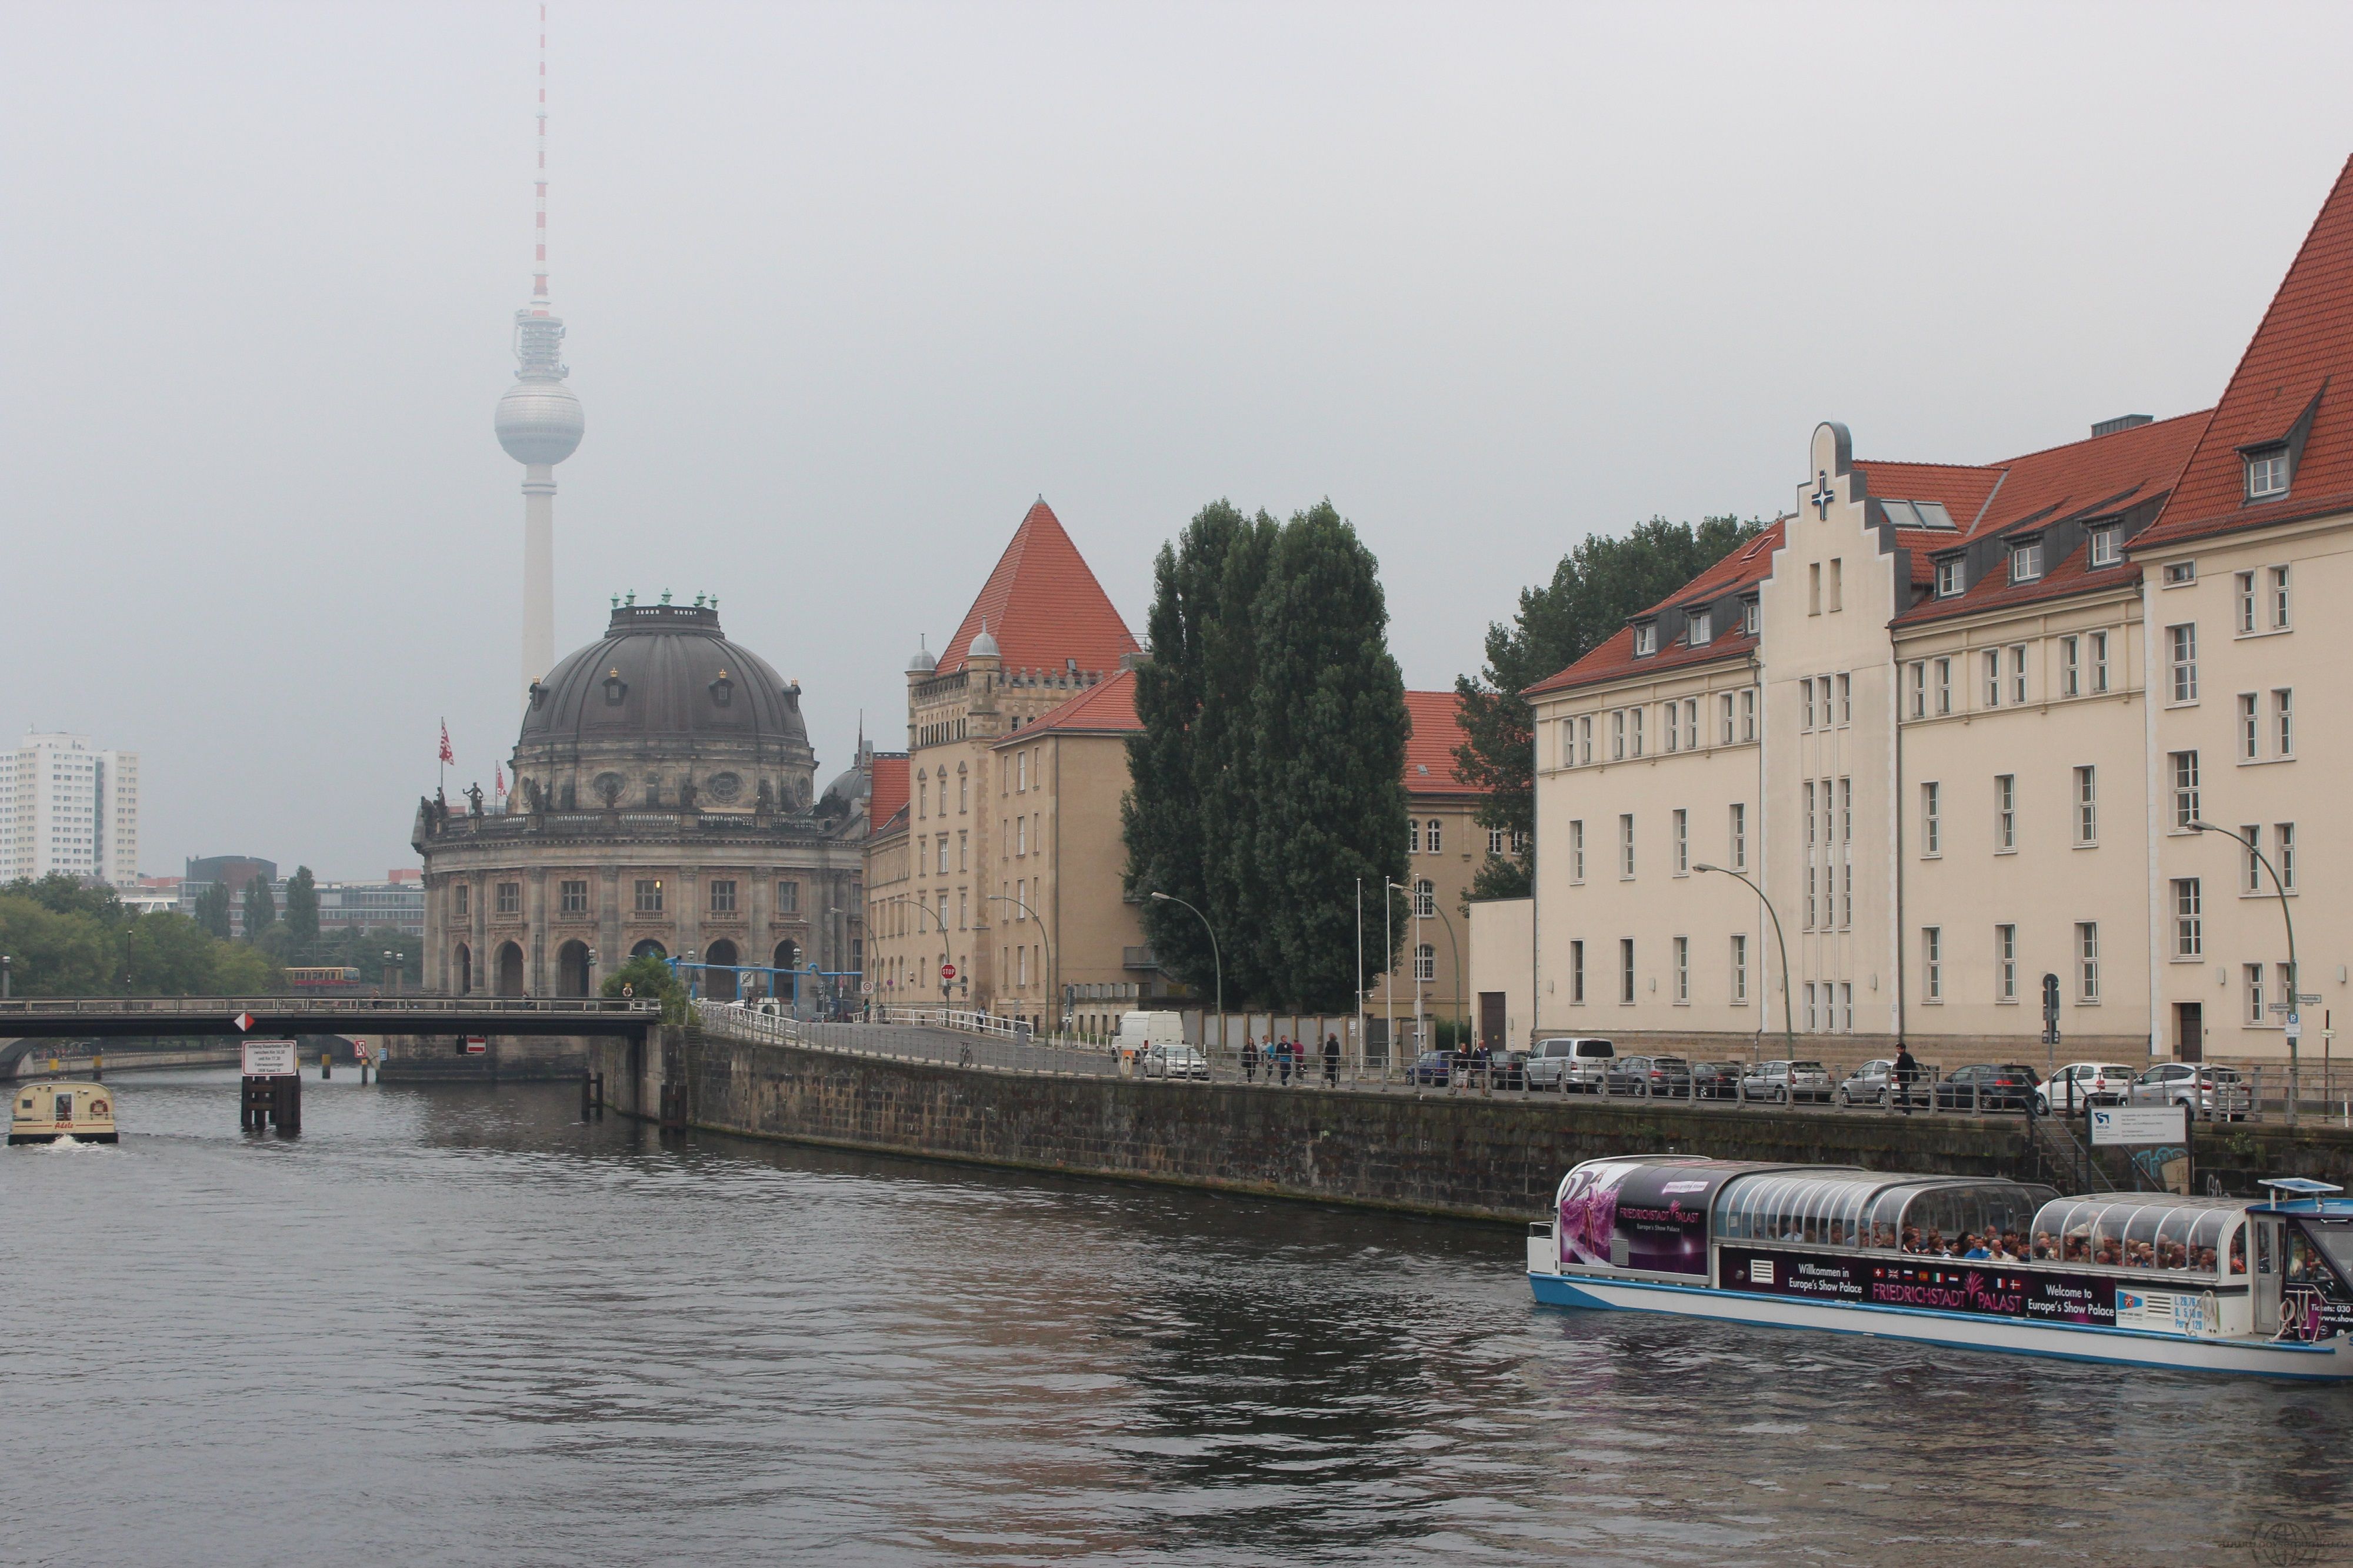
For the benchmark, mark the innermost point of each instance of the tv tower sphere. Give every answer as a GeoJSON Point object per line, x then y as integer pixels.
{"type": "Point", "coordinates": [539, 418]}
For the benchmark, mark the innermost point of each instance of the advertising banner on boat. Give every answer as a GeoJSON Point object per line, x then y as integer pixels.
{"type": "Point", "coordinates": [1932, 1284]}
{"type": "Point", "coordinates": [1638, 1215]}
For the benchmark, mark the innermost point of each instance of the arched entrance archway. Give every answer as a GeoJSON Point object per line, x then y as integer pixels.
{"type": "Point", "coordinates": [510, 970]}
{"type": "Point", "coordinates": [787, 957]}
{"type": "Point", "coordinates": [572, 969]}
{"type": "Point", "coordinates": [648, 948]}
{"type": "Point", "coordinates": [718, 984]}
{"type": "Point", "coordinates": [462, 960]}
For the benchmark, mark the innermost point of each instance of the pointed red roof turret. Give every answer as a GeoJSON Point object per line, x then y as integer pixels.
{"type": "Point", "coordinates": [1043, 606]}
{"type": "Point", "coordinates": [2294, 384]}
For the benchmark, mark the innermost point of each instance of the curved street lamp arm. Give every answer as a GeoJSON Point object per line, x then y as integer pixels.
{"type": "Point", "coordinates": [1216, 957]}
{"type": "Point", "coordinates": [1788, 999]}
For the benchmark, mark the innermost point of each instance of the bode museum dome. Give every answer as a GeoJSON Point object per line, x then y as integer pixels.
{"type": "Point", "coordinates": [662, 802]}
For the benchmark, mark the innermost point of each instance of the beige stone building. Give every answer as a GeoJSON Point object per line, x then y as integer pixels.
{"type": "Point", "coordinates": [1961, 723]}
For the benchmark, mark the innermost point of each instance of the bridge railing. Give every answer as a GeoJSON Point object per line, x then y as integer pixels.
{"type": "Point", "coordinates": [326, 1006]}
{"type": "Point", "coordinates": [914, 1036]}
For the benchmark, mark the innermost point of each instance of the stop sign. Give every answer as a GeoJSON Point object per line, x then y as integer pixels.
{"type": "Point", "coordinates": [947, 972]}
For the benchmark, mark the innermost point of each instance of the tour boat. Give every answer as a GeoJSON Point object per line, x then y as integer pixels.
{"type": "Point", "coordinates": [46, 1112]}
{"type": "Point", "coordinates": [2257, 1286]}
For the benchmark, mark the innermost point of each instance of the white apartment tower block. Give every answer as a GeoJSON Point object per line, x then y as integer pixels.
{"type": "Point", "coordinates": [67, 807]}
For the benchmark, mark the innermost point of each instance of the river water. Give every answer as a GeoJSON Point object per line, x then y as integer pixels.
{"type": "Point", "coordinates": [459, 1326]}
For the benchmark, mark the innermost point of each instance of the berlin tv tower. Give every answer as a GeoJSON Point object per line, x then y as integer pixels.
{"type": "Point", "coordinates": [539, 423]}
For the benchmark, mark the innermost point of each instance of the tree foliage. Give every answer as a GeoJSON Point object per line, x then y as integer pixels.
{"type": "Point", "coordinates": [212, 909]}
{"type": "Point", "coordinates": [1269, 774]}
{"type": "Point", "coordinates": [260, 908]}
{"type": "Point", "coordinates": [302, 906]}
{"type": "Point", "coordinates": [1605, 580]}
{"type": "Point", "coordinates": [647, 975]}
{"type": "Point", "coordinates": [67, 940]}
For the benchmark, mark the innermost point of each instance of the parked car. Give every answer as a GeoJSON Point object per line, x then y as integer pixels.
{"type": "Point", "coordinates": [1577, 1065]}
{"type": "Point", "coordinates": [2095, 1083]}
{"type": "Point", "coordinates": [1660, 1078]}
{"type": "Point", "coordinates": [1175, 1061]}
{"type": "Point", "coordinates": [1508, 1069]}
{"type": "Point", "coordinates": [2211, 1093]}
{"type": "Point", "coordinates": [1716, 1080]}
{"type": "Point", "coordinates": [1785, 1083]}
{"type": "Point", "coordinates": [1988, 1086]}
{"type": "Point", "coordinates": [1432, 1067]}
{"type": "Point", "coordinates": [1869, 1084]}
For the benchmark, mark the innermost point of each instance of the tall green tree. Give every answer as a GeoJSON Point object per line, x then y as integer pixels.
{"type": "Point", "coordinates": [302, 908]}
{"type": "Point", "coordinates": [260, 908]}
{"type": "Point", "coordinates": [1268, 776]}
{"type": "Point", "coordinates": [1596, 588]}
{"type": "Point", "coordinates": [212, 909]}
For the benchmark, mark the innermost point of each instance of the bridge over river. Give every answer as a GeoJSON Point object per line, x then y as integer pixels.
{"type": "Point", "coordinates": [189, 1018]}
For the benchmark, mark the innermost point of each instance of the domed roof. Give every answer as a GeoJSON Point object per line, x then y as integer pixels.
{"type": "Point", "coordinates": [539, 420]}
{"type": "Point", "coordinates": [984, 646]}
{"type": "Point", "coordinates": [664, 671]}
{"type": "Point", "coordinates": [922, 663]}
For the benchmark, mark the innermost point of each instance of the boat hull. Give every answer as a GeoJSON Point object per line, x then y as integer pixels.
{"type": "Point", "coordinates": [2326, 1362]}
{"type": "Point", "coordinates": [15, 1138]}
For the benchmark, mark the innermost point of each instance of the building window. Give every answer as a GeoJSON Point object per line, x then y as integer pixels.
{"type": "Point", "coordinates": [1932, 963]}
{"type": "Point", "coordinates": [2182, 660]}
{"type": "Point", "coordinates": [1944, 686]}
{"type": "Point", "coordinates": [1494, 841]}
{"type": "Point", "coordinates": [1838, 576]}
{"type": "Point", "coordinates": [1413, 836]}
{"type": "Point", "coordinates": [510, 897]}
{"type": "Point", "coordinates": [1846, 862]}
{"type": "Point", "coordinates": [1703, 629]}
{"type": "Point", "coordinates": [1634, 719]}
{"type": "Point", "coordinates": [1916, 676]}
{"type": "Point", "coordinates": [2250, 727]}
{"type": "Point", "coordinates": [2005, 812]}
{"type": "Point", "coordinates": [1725, 702]}
{"type": "Point", "coordinates": [1845, 699]}
{"type": "Point", "coordinates": [1683, 841]}
{"type": "Point", "coordinates": [1691, 722]}
{"type": "Point", "coordinates": [1673, 729]}
{"type": "Point", "coordinates": [2255, 994]}
{"type": "Point", "coordinates": [2087, 807]}
{"type": "Point", "coordinates": [1425, 962]}
{"type": "Point", "coordinates": [2283, 854]}
{"type": "Point", "coordinates": [1932, 820]}
{"type": "Point", "coordinates": [2253, 881]}
{"type": "Point", "coordinates": [723, 896]}
{"type": "Point", "coordinates": [1814, 588]}
{"type": "Point", "coordinates": [2268, 473]}
{"type": "Point", "coordinates": [2284, 722]}
{"type": "Point", "coordinates": [2071, 677]}
{"type": "Point", "coordinates": [788, 898]}
{"type": "Point", "coordinates": [2026, 561]}
{"type": "Point", "coordinates": [463, 896]}
{"type": "Point", "coordinates": [1585, 739]}
{"type": "Point", "coordinates": [1948, 577]}
{"type": "Point", "coordinates": [1569, 743]}
{"type": "Point", "coordinates": [2005, 961]}
{"type": "Point", "coordinates": [1749, 617]}
{"type": "Point", "coordinates": [2087, 962]}
{"type": "Point", "coordinates": [964, 791]}
{"type": "Point", "coordinates": [649, 896]}
{"type": "Point", "coordinates": [1626, 846]}
{"type": "Point", "coordinates": [2108, 545]}
{"type": "Point", "coordinates": [1683, 970]}
{"type": "Point", "coordinates": [1646, 640]}
{"type": "Point", "coordinates": [2279, 598]}
{"type": "Point", "coordinates": [1993, 678]}
{"type": "Point", "coordinates": [2178, 573]}
{"type": "Point", "coordinates": [2018, 674]}
{"type": "Point", "coordinates": [1739, 970]}
{"type": "Point", "coordinates": [1618, 735]}
{"type": "Point", "coordinates": [1748, 715]}
{"type": "Point", "coordinates": [1626, 970]}
{"type": "Point", "coordinates": [1576, 973]}
{"type": "Point", "coordinates": [1425, 899]}
{"type": "Point", "coordinates": [1739, 835]}
{"type": "Point", "coordinates": [1846, 1008]}
{"type": "Point", "coordinates": [943, 856]}
{"type": "Point", "coordinates": [2099, 661]}
{"type": "Point", "coordinates": [2244, 597]}
{"type": "Point", "coordinates": [1576, 849]}
{"type": "Point", "coordinates": [2188, 925]}
{"type": "Point", "coordinates": [2185, 789]}
{"type": "Point", "coordinates": [573, 898]}
{"type": "Point", "coordinates": [1807, 688]}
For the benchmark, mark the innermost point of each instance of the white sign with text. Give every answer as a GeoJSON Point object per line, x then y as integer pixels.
{"type": "Point", "coordinates": [2140, 1124]}
{"type": "Point", "coordinates": [270, 1058]}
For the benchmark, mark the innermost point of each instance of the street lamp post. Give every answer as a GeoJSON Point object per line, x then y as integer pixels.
{"type": "Point", "coordinates": [1215, 958]}
{"type": "Point", "coordinates": [1788, 1024]}
{"type": "Point", "coordinates": [2295, 977]}
{"type": "Point", "coordinates": [6, 960]}
{"type": "Point", "coordinates": [1460, 995]}
{"type": "Point", "coordinates": [1045, 981]}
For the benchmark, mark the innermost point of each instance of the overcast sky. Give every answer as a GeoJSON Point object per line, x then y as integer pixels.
{"type": "Point", "coordinates": [850, 286]}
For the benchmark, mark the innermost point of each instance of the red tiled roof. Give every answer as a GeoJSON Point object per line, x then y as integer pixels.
{"type": "Point", "coordinates": [888, 790]}
{"type": "Point", "coordinates": [1429, 766]}
{"type": "Point", "coordinates": [1615, 658]}
{"type": "Point", "coordinates": [1106, 708]}
{"type": "Point", "coordinates": [1043, 606]}
{"type": "Point", "coordinates": [2302, 349]}
{"type": "Point", "coordinates": [1960, 488]}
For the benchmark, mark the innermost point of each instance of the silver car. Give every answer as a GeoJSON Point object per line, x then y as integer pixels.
{"type": "Point", "coordinates": [1868, 1084]}
{"type": "Point", "coordinates": [2095, 1083]}
{"type": "Point", "coordinates": [1784, 1083]}
{"type": "Point", "coordinates": [1573, 1065]}
{"type": "Point", "coordinates": [2211, 1093]}
{"type": "Point", "coordinates": [1175, 1061]}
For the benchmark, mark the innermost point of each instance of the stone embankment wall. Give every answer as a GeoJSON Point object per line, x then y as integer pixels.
{"type": "Point", "coordinates": [1468, 1156]}
{"type": "Point", "coordinates": [505, 1058]}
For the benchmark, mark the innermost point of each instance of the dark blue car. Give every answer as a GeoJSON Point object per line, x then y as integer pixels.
{"type": "Point", "coordinates": [1432, 1067]}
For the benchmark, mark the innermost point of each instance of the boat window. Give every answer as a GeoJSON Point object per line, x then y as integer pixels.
{"type": "Point", "coordinates": [2139, 1231]}
{"type": "Point", "coordinates": [2336, 1243]}
{"type": "Point", "coordinates": [63, 1107]}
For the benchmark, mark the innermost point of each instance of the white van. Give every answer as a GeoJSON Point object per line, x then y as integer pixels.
{"type": "Point", "coordinates": [1572, 1065]}
{"type": "Point", "coordinates": [1139, 1032]}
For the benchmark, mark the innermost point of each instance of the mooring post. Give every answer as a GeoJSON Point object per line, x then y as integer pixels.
{"type": "Point", "coordinates": [326, 1064]}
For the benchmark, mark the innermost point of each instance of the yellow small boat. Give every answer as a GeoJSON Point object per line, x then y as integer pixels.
{"type": "Point", "coordinates": [45, 1112]}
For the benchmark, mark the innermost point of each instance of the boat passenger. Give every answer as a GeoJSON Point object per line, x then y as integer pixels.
{"type": "Point", "coordinates": [1838, 1234]}
{"type": "Point", "coordinates": [1972, 1249]}
{"type": "Point", "coordinates": [1911, 1238]}
{"type": "Point", "coordinates": [2206, 1260]}
{"type": "Point", "coordinates": [2046, 1246]}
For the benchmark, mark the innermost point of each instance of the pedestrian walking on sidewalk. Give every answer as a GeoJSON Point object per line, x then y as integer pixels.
{"type": "Point", "coordinates": [1907, 1070]}
{"type": "Point", "coordinates": [1250, 1058]}
{"type": "Point", "coordinates": [1282, 1060]}
{"type": "Point", "coordinates": [1331, 1060]}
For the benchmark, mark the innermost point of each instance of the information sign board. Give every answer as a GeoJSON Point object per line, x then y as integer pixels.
{"type": "Point", "coordinates": [2140, 1124]}
{"type": "Point", "coordinates": [270, 1058]}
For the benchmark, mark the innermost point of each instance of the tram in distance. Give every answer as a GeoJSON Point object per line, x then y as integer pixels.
{"type": "Point", "coordinates": [2258, 1286]}
{"type": "Point", "coordinates": [330, 977]}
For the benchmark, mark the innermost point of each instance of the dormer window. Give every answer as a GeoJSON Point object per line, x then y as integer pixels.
{"type": "Point", "coordinates": [2267, 472]}
{"type": "Point", "coordinates": [1703, 627]}
{"type": "Point", "coordinates": [615, 689]}
{"type": "Point", "coordinates": [1749, 617]}
{"type": "Point", "coordinates": [2108, 545]}
{"type": "Point", "coordinates": [722, 690]}
{"type": "Point", "coordinates": [2026, 561]}
{"type": "Point", "coordinates": [1948, 577]}
{"type": "Point", "coordinates": [1646, 640]}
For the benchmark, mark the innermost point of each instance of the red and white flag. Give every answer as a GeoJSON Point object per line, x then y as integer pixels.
{"type": "Point", "coordinates": [498, 779]}
{"type": "Point", "coordinates": [446, 755]}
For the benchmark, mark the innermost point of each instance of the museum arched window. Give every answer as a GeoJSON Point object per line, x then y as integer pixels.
{"type": "Point", "coordinates": [510, 970]}
{"type": "Point", "coordinates": [787, 957]}
{"type": "Point", "coordinates": [719, 982]}
{"type": "Point", "coordinates": [462, 961]}
{"type": "Point", "coordinates": [572, 969]}
{"type": "Point", "coordinates": [648, 948]}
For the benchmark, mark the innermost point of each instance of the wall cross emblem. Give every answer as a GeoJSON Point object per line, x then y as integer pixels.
{"type": "Point", "coordinates": [1823, 495]}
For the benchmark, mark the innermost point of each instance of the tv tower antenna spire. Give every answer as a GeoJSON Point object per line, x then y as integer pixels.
{"type": "Point", "coordinates": [539, 420]}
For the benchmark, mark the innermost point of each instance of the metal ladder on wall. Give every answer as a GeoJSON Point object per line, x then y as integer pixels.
{"type": "Point", "coordinates": [2056, 1154]}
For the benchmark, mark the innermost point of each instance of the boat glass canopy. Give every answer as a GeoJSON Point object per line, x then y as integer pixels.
{"type": "Point", "coordinates": [1836, 1206]}
{"type": "Point", "coordinates": [2145, 1230]}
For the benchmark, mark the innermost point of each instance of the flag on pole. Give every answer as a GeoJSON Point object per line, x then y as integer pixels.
{"type": "Point", "coordinates": [447, 755]}
{"type": "Point", "coordinates": [498, 781]}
